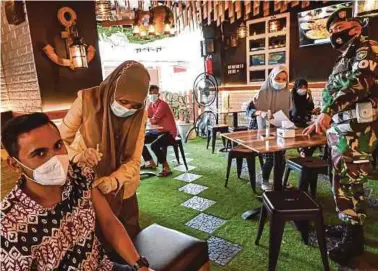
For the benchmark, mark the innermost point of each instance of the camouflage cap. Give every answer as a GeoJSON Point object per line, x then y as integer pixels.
{"type": "Point", "coordinates": [342, 14]}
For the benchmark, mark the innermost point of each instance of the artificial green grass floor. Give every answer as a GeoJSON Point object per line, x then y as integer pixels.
{"type": "Point", "coordinates": [160, 200]}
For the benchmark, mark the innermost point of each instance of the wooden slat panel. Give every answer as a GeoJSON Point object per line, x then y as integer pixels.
{"type": "Point", "coordinates": [199, 10]}
{"type": "Point", "coordinates": [256, 7]}
{"type": "Point", "coordinates": [221, 11]}
{"type": "Point", "coordinates": [238, 9]}
{"type": "Point", "coordinates": [248, 7]}
{"type": "Point", "coordinates": [209, 10]}
{"type": "Point", "coordinates": [215, 8]}
{"type": "Point", "coordinates": [226, 4]}
{"type": "Point", "coordinates": [284, 6]}
{"type": "Point", "coordinates": [266, 8]}
{"type": "Point", "coordinates": [231, 12]}
{"type": "Point", "coordinates": [205, 10]}
{"type": "Point", "coordinates": [294, 3]}
{"type": "Point", "coordinates": [277, 5]}
{"type": "Point", "coordinates": [305, 4]}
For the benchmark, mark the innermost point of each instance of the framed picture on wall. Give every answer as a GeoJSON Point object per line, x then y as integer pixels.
{"type": "Point", "coordinates": [207, 47]}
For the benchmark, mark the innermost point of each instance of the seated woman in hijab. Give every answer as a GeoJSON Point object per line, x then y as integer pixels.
{"type": "Point", "coordinates": [274, 95]}
{"type": "Point", "coordinates": [111, 121]}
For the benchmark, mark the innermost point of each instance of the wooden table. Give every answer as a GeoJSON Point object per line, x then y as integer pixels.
{"type": "Point", "coordinates": [252, 140]}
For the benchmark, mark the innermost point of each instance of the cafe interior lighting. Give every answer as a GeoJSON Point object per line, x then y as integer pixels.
{"type": "Point", "coordinates": [103, 10]}
{"type": "Point", "coordinates": [79, 53]}
{"type": "Point", "coordinates": [274, 26]}
{"type": "Point", "coordinates": [242, 31]}
{"type": "Point", "coordinates": [136, 30]}
{"type": "Point", "coordinates": [365, 8]}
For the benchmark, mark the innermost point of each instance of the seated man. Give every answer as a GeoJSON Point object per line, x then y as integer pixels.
{"type": "Point", "coordinates": [50, 218]}
{"type": "Point", "coordinates": [160, 114]}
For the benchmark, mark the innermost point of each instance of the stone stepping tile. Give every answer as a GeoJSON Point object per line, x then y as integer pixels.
{"type": "Point", "coordinates": [222, 251]}
{"type": "Point", "coordinates": [198, 203]}
{"type": "Point", "coordinates": [188, 177]}
{"type": "Point", "coordinates": [206, 223]}
{"type": "Point", "coordinates": [172, 154]}
{"type": "Point", "coordinates": [192, 189]}
{"type": "Point", "coordinates": [182, 168]}
{"type": "Point", "coordinates": [188, 160]}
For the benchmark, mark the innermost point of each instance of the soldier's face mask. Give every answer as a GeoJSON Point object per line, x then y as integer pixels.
{"type": "Point", "coordinates": [340, 39]}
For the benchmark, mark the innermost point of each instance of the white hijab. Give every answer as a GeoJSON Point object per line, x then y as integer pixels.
{"type": "Point", "coordinates": [269, 98]}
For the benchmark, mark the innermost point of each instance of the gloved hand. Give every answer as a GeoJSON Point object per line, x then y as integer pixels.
{"type": "Point", "coordinates": [90, 157]}
{"type": "Point", "coordinates": [106, 184]}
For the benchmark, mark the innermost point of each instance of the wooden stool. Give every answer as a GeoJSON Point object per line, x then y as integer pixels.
{"type": "Point", "coordinates": [282, 206]}
{"type": "Point", "coordinates": [308, 169]}
{"type": "Point", "coordinates": [239, 153]}
{"type": "Point", "coordinates": [212, 133]}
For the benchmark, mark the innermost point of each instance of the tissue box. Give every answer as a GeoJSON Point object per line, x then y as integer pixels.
{"type": "Point", "coordinates": [285, 133]}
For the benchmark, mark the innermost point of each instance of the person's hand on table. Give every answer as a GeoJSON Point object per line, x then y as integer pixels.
{"type": "Point", "coordinates": [322, 123]}
{"type": "Point", "coordinates": [90, 157]}
{"type": "Point", "coordinates": [106, 184]}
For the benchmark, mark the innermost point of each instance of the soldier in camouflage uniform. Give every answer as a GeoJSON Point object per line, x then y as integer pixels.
{"type": "Point", "coordinates": [354, 80]}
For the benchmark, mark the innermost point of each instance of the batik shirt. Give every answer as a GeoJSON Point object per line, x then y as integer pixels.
{"type": "Point", "coordinates": [58, 238]}
{"type": "Point", "coordinates": [354, 78]}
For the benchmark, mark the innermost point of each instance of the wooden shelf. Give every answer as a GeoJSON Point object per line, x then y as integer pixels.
{"type": "Point", "coordinates": [267, 51]}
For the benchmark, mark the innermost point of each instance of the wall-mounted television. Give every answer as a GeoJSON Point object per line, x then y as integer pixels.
{"type": "Point", "coordinates": [312, 24]}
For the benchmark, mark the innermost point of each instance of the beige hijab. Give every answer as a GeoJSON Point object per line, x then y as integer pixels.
{"type": "Point", "coordinates": [117, 136]}
{"type": "Point", "coordinates": [269, 98]}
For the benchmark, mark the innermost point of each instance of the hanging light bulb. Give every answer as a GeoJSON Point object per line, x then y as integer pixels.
{"type": "Point", "coordinates": [136, 30]}
{"type": "Point", "coordinates": [167, 28]}
{"type": "Point", "coordinates": [151, 29]}
{"type": "Point", "coordinates": [78, 54]}
{"type": "Point", "coordinates": [143, 34]}
{"type": "Point", "coordinates": [103, 10]}
{"type": "Point", "coordinates": [242, 31]}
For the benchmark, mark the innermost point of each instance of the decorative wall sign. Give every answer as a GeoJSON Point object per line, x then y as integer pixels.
{"type": "Point", "coordinates": [235, 68]}
{"type": "Point", "coordinates": [148, 49]}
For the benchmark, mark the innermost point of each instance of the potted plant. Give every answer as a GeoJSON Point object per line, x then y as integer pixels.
{"type": "Point", "coordinates": [184, 115]}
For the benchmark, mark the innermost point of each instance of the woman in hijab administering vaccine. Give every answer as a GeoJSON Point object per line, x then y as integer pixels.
{"type": "Point", "coordinates": [111, 121]}
{"type": "Point", "coordinates": [274, 95]}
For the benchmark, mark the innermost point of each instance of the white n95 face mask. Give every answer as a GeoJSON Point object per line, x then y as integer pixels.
{"type": "Point", "coordinates": [278, 86]}
{"type": "Point", "coordinates": [53, 172]}
{"type": "Point", "coordinates": [302, 91]}
{"type": "Point", "coordinates": [121, 111]}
